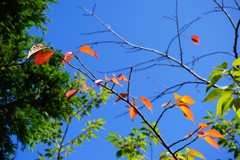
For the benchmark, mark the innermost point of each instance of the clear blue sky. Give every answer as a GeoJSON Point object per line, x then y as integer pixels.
{"type": "Point", "coordinates": [142, 23]}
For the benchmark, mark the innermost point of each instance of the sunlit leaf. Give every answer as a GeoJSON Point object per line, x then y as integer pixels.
{"type": "Point", "coordinates": [132, 111]}
{"type": "Point", "coordinates": [195, 39]}
{"type": "Point", "coordinates": [187, 112]}
{"type": "Point", "coordinates": [122, 78]}
{"type": "Point", "coordinates": [88, 50]}
{"type": "Point", "coordinates": [146, 102]}
{"type": "Point", "coordinates": [200, 134]}
{"type": "Point", "coordinates": [114, 80]}
{"type": "Point", "coordinates": [211, 141]}
{"type": "Point", "coordinates": [34, 49]}
{"type": "Point", "coordinates": [203, 125]}
{"type": "Point", "coordinates": [214, 94]}
{"type": "Point", "coordinates": [67, 57]}
{"type": "Point", "coordinates": [213, 133]}
{"type": "Point", "coordinates": [236, 62]}
{"type": "Point", "coordinates": [123, 95]}
{"type": "Point", "coordinates": [43, 56]}
{"type": "Point", "coordinates": [187, 99]}
{"type": "Point", "coordinates": [195, 153]}
{"type": "Point", "coordinates": [176, 96]}
{"type": "Point", "coordinates": [71, 93]}
{"type": "Point", "coordinates": [85, 87]}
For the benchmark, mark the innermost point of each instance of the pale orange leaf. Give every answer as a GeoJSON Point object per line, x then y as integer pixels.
{"type": "Point", "coordinates": [211, 141]}
{"type": "Point", "coordinates": [88, 50]}
{"type": "Point", "coordinates": [123, 95]}
{"type": "Point", "coordinates": [43, 56]}
{"type": "Point", "coordinates": [214, 133]}
{"type": "Point", "coordinates": [122, 78]}
{"type": "Point", "coordinates": [67, 57]}
{"type": "Point", "coordinates": [166, 104]}
{"type": "Point", "coordinates": [114, 80]}
{"type": "Point", "coordinates": [71, 93]}
{"type": "Point", "coordinates": [85, 87]}
{"type": "Point", "coordinates": [187, 112]}
{"type": "Point", "coordinates": [146, 102]}
{"type": "Point", "coordinates": [195, 39]}
{"type": "Point", "coordinates": [203, 125]}
{"type": "Point", "coordinates": [176, 96]}
{"type": "Point", "coordinates": [132, 111]}
{"type": "Point", "coordinates": [188, 135]}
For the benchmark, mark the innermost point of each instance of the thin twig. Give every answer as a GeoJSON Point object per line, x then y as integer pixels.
{"type": "Point", "coordinates": [129, 82]}
{"type": "Point", "coordinates": [61, 143]}
{"type": "Point", "coordinates": [236, 40]}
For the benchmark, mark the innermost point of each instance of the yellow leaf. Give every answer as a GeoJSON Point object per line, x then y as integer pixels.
{"type": "Point", "coordinates": [176, 96]}
{"type": "Point", "coordinates": [211, 141]}
{"type": "Point", "coordinates": [187, 99]}
{"type": "Point", "coordinates": [195, 153]}
{"type": "Point", "coordinates": [146, 102]}
{"type": "Point", "coordinates": [214, 133]}
{"type": "Point", "coordinates": [203, 125]}
{"type": "Point", "coordinates": [187, 112]}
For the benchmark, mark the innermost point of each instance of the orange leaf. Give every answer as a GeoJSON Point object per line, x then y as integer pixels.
{"type": "Point", "coordinates": [106, 78]}
{"type": "Point", "coordinates": [146, 102]}
{"type": "Point", "coordinates": [203, 125]}
{"type": "Point", "coordinates": [123, 95]}
{"type": "Point", "coordinates": [67, 57]}
{"type": "Point", "coordinates": [132, 111]}
{"type": "Point", "coordinates": [195, 39]}
{"type": "Point", "coordinates": [214, 133]}
{"type": "Point", "coordinates": [187, 99]}
{"type": "Point", "coordinates": [187, 112]}
{"type": "Point", "coordinates": [34, 49]}
{"type": "Point", "coordinates": [71, 93]}
{"type": "Point", "coordinates": [114, 80]}
{"type": "Point", "coordinates": [211, 141]}
{"type": "Point", "coordinates": [88, 50]}
{"type": "Point", "coordinates": [176, 96]}
{"type": "Point", "coordinates": [122, 78]}
{"type": "Point", "coordinates": [85, 87]}
{"type": "Point", "coordinates": [43, 56]}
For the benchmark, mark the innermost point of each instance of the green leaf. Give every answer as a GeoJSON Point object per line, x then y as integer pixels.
{"type": "Point", "coordinates": [224, 65]}
{"type": "Point", "coordinates": [213, 95]}
{"type": "Point", "coordinates": [213, 81]}
{"type": "Point", "coordinates": [236, 62]}
{"type": "Point", "coordinates": [221, 103]}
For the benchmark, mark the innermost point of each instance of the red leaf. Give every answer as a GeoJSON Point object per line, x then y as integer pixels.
{"type": "Point", "coordinates": [195, 39]}
{"type": "Point", "coordinates": [132, 111]}
{"type": "Point", "coordinates": [88, 50]}
{"type": "Point", "coordinates": [123, 95]}
{"type": "Point", "coordinates": [71, 93]}
{"type": "Point", "coordinates": [43, 56]}
{"type": "Point", "coordinates": [67, 57]}
{"type": "Point", "coordinates": [211, 141]}
{"type": "Point", "coordinates": [34, 49]}
{"type": "Point", "coordinates": [187, 112]}
{"type": "Point", "coordinates": [146, 102]}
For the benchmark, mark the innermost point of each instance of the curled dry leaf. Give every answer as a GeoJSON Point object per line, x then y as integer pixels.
{"type": "Point", "coordinates": [34, 49]}
{"type": "Point", "coordinates": [98, 81]}
{"type": "Point", "coordinates": [88, 50]}
{"type": "Point", "coordinates": [67, 57]}
{"type": "Point", "coordinates": [71, 93]}
{"type": "Point", "coordinates": [123, 95]}
{"type": "Point", "coordinates": [195, 39]}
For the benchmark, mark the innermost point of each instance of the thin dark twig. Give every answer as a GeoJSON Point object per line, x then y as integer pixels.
{"type": "Point", "coordinates": [129, 82]}
{"type": "Point", "coordinates": [61, 143]}
{"type": "Point", "coordinates": [85, 67]}
{"type": "Point", "coordinates": [161, 115]}
{"type": "Point", "coordinates": [96, 32]}
{"type": "Point", "coordinates": [236, 40]}
{"type": "Point", "coordinates": [184, 139]}
{"type": "Point", "coordinates": [179, 34]}
{"type": "Point", "coordinates": [186, 145]}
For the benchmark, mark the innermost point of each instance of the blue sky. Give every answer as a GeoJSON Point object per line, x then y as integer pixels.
{"type": "Point", "coordinates": [143, 23]}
